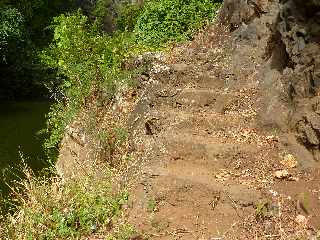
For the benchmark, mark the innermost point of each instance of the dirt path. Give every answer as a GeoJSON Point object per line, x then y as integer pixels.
{"type": "Point", "coordinates": [209, 166]}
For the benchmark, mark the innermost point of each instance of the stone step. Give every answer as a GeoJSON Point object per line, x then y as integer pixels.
{"type": "Point", "coordinates": [198, 97]}
{"type": "Point", "coordinates": [163, 187]}
{"type": "Point", "coordinates": [188, 171]}
{"type": "Point", "coordinates": [219, 101]}
{"type": "Point", "coordinates": [207, 151]}
{"type": "Point", "coordinates": [188, 205]}
{"type": "Point", "coordinates": [198, 122]}
{"type": "Point", "coordinates": [191, 97]}
{"type": "Point", "coordinates": [206, 75]}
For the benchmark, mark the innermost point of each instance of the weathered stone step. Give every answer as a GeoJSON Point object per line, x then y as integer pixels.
{"type": "Point", "coordinates": [206, 75]}
{"type": "Point", "coordinates": [207, 151]}
{"type": "Point", "coordinates": [163, 186]}
{"type": "Point", "coordinates": [198, 122]}
{"type": "Point", "coordinates": [210, 99]}
{"type": "Point", "coordinates": [198, 97]}
{"type": "Point", "coordinates": [192, 97]}
{"type": "Point", "coordinates": [190, 205]}
{"type": "Point", "coordinates": [189, 171]}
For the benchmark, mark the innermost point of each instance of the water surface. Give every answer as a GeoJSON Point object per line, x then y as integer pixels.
{"type": "Point", "coordinates": [19, 124]}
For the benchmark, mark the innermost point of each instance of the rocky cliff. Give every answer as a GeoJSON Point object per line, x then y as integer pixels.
{"type": "Point", "coordinates": [283, 42]}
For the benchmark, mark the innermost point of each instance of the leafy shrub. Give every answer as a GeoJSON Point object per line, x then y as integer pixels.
{"type": "Point", "coordinates": [173, 20]}
{"type": "Point", "coordinates": [11, 29]}
{"type": "Point", "coordinates": [90, 64]}
{"type": "Point", "coordinates": [56, 210]}
{"type": "Point", "coordinates": [128, 16]}
{"type": "Point", "coordinates": [100, 10]}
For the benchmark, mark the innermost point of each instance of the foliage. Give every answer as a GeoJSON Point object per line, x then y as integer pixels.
{"type": "Point", "coordinates": [100, 10]}
{"type": "Point", "coordinates": [22, 33]}
{"type": "Point", "coordinates": [111, 142]}
{"type": "Point", "coordinates": [18, 62]}
{"type": "Point", "coordinates": [261, 211]}
{"type": "Point", "coordinates": [124, 232]}
{"type": "Point", "coordinates": [56, 210]}
{"type": "Point", "coordinates": [128, 16]}
{"type": "Point", "coordinates": [11, 29]}
{"type": "Point", "coordinates": [173, 20]}
{"type": "Point", "coordinates": [38, 15]}
{"type": "Point", "coordinates": [88, 60]}
{"type": "Point", "coordinates": [151, 205]}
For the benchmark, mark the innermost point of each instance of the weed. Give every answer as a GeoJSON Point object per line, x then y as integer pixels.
{"type": "Point", "coordinates": [89, 61]}
{"type": "Point", "coordinates": [262, 210]}
{"type": "Point", "coordinates": [124, 232]}
{"type": "Point", "coordinates": [151, 205]}
{"type": "Point", "coordinates": [52, 209]}
{"type": "Point", "coordinates": [110, 142]}
{"type": "Point", "coordinates": [304, 202]}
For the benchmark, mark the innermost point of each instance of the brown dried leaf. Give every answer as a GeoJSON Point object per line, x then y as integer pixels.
{"type": "Point", "coordinates": [289, 161]}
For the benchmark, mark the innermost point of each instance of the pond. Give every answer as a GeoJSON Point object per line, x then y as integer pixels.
{"type": "Point", "coordinates": [19, 124]}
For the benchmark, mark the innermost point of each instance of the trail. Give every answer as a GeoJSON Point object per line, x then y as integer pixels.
{"type": "Point", "coordinates": [208, 168]}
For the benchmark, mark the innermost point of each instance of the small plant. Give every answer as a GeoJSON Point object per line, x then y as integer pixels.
{"type": "Point", "coordinates": [111, 141]}
{"type": "Point", "coordinates": [124, 232]}
{"type": "Point", "coordinates": [152, 205]}
{"type": "Point", "coordinates": [261, 210]}
{"type": "Point", "coordinates": [304, 202]}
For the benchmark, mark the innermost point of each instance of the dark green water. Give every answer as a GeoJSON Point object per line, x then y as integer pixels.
{"type": "Point", "coordinates": [19, 124]}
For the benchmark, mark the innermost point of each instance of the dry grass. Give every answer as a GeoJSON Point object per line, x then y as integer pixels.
{"type": "Point", "coordinates": [50, 208]}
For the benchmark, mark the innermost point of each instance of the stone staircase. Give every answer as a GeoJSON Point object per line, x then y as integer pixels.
{"type": "Point", "coordinates": [183, 193]}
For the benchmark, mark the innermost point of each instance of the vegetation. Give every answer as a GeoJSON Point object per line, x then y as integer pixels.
{"type": "Point", "coordinates": [11, 29]}
{"type": "Point", "coordinates": [88, 63]}
{"type": "Point", "coordinates": [128, 16]}
{"type": "Point", "coordinates": [173, 20]}
{"type": "Point", "coordinates": [22, 33]}
{"type": "Point", "coordinates": [51, 209]}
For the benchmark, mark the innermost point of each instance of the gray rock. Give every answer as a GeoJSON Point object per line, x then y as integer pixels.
{"type": "Point", "coordinates": [243, 195]}
{"type": "Point", "coordinates": [180, 67]}
{"type": "Point", "coordinates": [314, 120]}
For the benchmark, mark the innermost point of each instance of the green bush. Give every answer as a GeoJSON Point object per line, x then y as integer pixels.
{"type": "Point", "coordinates": [173, 20]}
{"type": "Point", "coordinates": [128, 16]}
{"type": "Point", "coordinates": [100, 10]}
{"type": "Point", "coordinates": [11, 29]}
{"type": "Point", "coordinates": [89, 62]}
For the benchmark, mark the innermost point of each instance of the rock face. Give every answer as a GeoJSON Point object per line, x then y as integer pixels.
{"type": "Point", "coordinates": [285, 37]}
